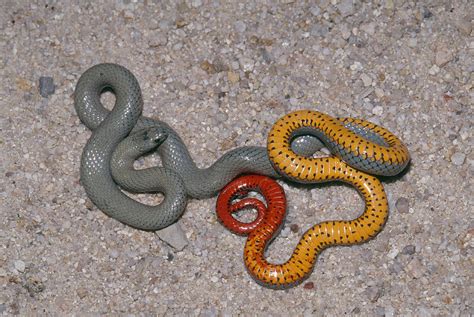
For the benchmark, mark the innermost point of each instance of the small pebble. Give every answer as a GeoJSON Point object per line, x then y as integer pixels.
{"type": "Point", "coordinates": [240, 26]}
{"type": "Point", "coordinates": [267, 57]}
{"type": "Point", "coordinates": [377, 110]}
{"type": "Point", "coordinates": [355, 311]}
{"type": "Point", "coordinates": [345, 32]}
{"type": "Point", "coordinates": [458, 158]}
{"type": "Point", "coordinates": [374, 292]}
{"type": "Point", "coordinates": [380, 311]}
{"type": "Point", "coordinates": [356, 66]}
{"type": "Point", "coordinates": [46, 86]}
{"type": "Point", "coordinates": [20, 266]}
{"type": "Point", "coordinates": [393, 253]}
{"type": "Point", "coordinates": [396, 267]}
{"type": "Point", "coordinates": [89, 204]}
{"type": "Point", "coordinates": [114, 253]}
{"type": "Point", "coordinates": [366, 79]}
{"type": "Point", "coordinates": [34, 285]}
{"type": "Point", "coordinates": [208, 67]}
{"type": "Point", "coordinates": [174, 236]}
{"type": "Point", "coordinates": [369, 28]}
{"type": "Point", "coordinates": [315, 10]}
{"type": "Point", "coordinates": [209, 312]}
{"type": "Point", "coordinates": [379, 92]}
{"type": "Point", "coordinates": [409, 249]}
{"type": "Point", "coordinates": [346, 7]}
{"type": "Point", "coordinates": [412, 42]}
{"type": "Point", "coordinates": [402, 204]}
{"type": "Point", "coordinates": [158, 39]}
{"type": "Point", "coordinates": [434, 70]}
{"type": "Point", "coordinates": [426, 13]}
{"type": "Point", "coordinates": [247, 64]}
{"type": "Point", "coordinates": [464, 25]}
{"type": "Point", "coordinates": [415, 268]}
{"type": "Point", "coordinates": [233, 77]}
{"type": "Point", "coordinates": [309, 285]}
{"type": "Point", "coordinates": [389, 311]}
{"type": "Point", "coordinates": [196, 3]}
{"type": "Point", "coordinates": [285, 232]}
{"type": "Point", "coordinates": [294, 228]}
{"type": "Point", "coordinates": [81, 292]}
{"type": "Point", "coordinates": [443, 55]}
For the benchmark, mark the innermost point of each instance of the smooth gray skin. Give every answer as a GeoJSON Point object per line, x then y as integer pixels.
{"type": "Point", "coordinates": [155, 179]}
{"type": "Point", "coordinates": [95, 162]}
{"type": "Point", "coordinates": [111, 127]}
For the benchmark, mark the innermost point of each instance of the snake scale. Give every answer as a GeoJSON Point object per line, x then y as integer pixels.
{"type": "Point", "coordinates": [179, 177]}
{"type": "Point", "coordinates": [358, 146]}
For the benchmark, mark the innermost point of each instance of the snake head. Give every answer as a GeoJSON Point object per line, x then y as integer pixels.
{"type": "Point", "coordinates": [149, 138]}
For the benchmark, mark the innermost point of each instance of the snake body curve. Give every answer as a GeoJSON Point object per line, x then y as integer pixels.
{"type": "Point", "coordinates": [363, 144]}
{"type": "Point", "coordinates": [95, 161]}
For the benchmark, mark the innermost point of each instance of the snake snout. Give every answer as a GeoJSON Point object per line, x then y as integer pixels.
{"type": "Point", "coordinates": [148, 139]}
{"type": "Point", "coordinates": [155, 136]}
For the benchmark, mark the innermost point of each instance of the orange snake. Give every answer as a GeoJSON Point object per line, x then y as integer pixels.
{"type": "Point", "coordinates": [359, 143]}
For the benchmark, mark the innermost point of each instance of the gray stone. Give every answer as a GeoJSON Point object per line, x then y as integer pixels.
{"type": "Point", "coordinates": [444, 54]}
{"type": "Point", "coordinates": [458, 158]}
{"type": "Point", "coordinates": [377, 110]}
{"type": "Point", "coordinates": [285, 232]}
{"type": "Point", "coordinates": [426, 13]}
{"type": "Point", "coordinates": [380, 311]}
{"type": "Point", "coordinates": [346, 7]}
{"type": "Point", "coordinates": [20, 266]}
{"type": "Point", "coordinates": [196, 3]}
{"type": "Point", "coordinates": [396, 267]}
{"type": "Point", "coordinates": [415, 268]}
{"type": "Point", "coordinates": [174, 236]}
{"type": "Point", "coordinates": [209, 312]}
{"type": "Point", "coordinates": [402, 204]}
{"type": "Point", "coordinates": [409, 249]}
{"type": "Point", "coordinates": [34, 285]}
{"type": "Point", "coordinates": [315, 10]}
{"type": "Point", "coordinates": [464, 25]}
{"type": "Point", "coordinates": [240, 26]}
{"type": "Point", "coordinates": [46, 86]}
{"type": "Point", "coordinates": [114, 253]}
{"type": "Point", "coordinates": [158, 39]}
{"type": "Point", "coordinates": [374, 292]}
{"type": "Point", "coordinates": [247, 64]}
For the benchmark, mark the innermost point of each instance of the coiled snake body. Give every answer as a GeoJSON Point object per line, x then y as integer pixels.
{"type": "Point", "coordinates": [361, 144]}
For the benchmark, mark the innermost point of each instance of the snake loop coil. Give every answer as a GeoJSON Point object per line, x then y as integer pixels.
{"type": "Point", "coordinates": [363, 145]}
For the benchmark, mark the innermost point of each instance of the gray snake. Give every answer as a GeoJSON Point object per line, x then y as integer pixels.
{"type": "Point", "coordinates": [179, 177]}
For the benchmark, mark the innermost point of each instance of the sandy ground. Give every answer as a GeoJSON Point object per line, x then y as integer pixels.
{"type": "Point", "coordinates": [221, 73]}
